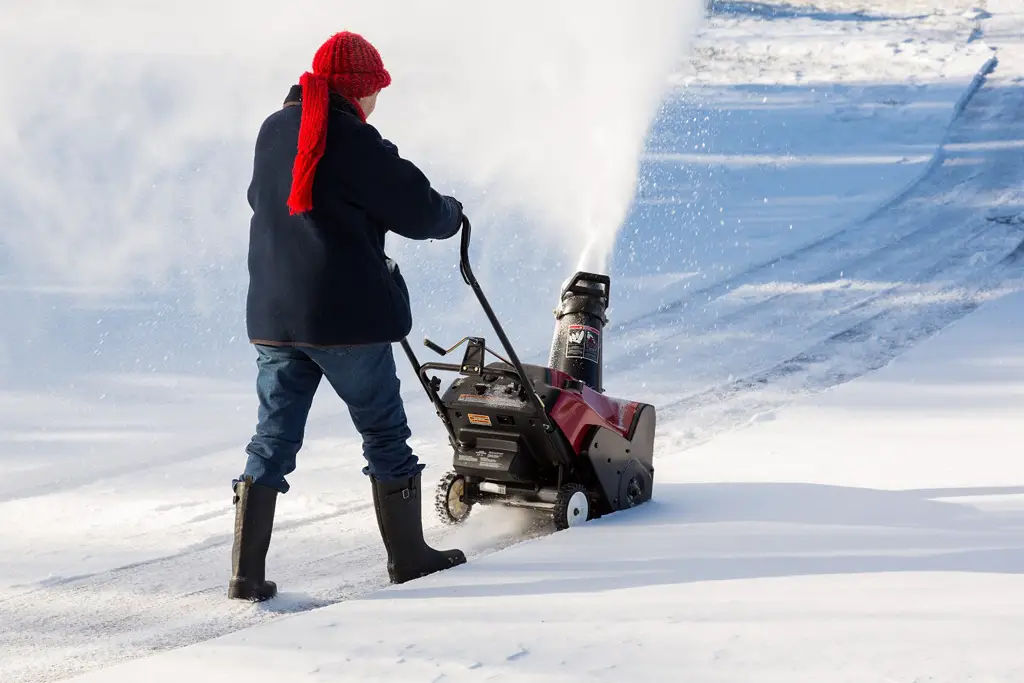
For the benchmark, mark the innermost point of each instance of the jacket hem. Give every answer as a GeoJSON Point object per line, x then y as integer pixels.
{"type": "Point", "coordinates": [310, 345]}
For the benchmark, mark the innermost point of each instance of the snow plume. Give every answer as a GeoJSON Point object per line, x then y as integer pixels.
{"type": "Point", "coordinates": [128, 142]}
{"type": "Point", "coordinates": [542, 105]}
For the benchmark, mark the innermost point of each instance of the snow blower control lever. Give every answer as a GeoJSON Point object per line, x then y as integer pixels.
{"type": "Point", "coordinates": [540, 437]}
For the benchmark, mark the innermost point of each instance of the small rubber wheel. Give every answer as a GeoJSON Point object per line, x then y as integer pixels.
{"type": "Point", "coordinates": [572, 506]}
{"type": "Point", "coordinates": [635, 485]}
{"type": "Point", "coordinates": [450, 499]}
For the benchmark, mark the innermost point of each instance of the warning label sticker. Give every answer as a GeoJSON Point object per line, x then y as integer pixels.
{"type": "Point", "coordinates": [475, 398]}
{"type": "Point", "coordinates": [485, 459]}
{"type": "Point", "coordinates": [484, 420]}
{"type": "Point", "coordinates": [584, 342]}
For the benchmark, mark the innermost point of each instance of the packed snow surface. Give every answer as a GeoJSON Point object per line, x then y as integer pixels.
{"type": "Point", "coordinates": [871, 533]}
{"type": "Point", "coordinates": [818, 287]}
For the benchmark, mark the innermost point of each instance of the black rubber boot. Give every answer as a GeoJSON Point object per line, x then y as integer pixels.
{"type": "Point", "coordinates": [400, 518]}
{"type": "Point", "coordinates": [254, 522]}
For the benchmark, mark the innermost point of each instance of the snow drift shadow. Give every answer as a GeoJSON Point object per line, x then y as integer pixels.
{"type": "Point", "coordinates": [727, 189]}
{"type": "Point", "coordinates": [721, 532]}
{"type": "Point", "coordinates": [783, 10]}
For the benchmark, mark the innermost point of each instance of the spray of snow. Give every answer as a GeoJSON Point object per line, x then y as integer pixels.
{"type": "Point", "coordinates": [129, 151]}
{"type": "Point", "coordinates": [542, 106]}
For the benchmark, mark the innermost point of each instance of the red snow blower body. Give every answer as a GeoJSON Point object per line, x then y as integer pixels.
{"type": "Point", "coordinates": [541, 437]}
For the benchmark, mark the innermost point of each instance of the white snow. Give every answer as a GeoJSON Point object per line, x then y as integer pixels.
{"type": "Point", "coordinates": [817, 285]}
{"type": "Point", "coordinates": [871, 533]}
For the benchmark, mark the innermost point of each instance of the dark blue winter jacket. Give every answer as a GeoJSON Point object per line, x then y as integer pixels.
{"type": "Point", "coordinates": [322, 278]}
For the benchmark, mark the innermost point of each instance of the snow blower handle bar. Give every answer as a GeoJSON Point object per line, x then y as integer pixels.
{"type": "Point", "coordinates": [433, 386]}
{"type": "Point", "coordinates": [470, 279]}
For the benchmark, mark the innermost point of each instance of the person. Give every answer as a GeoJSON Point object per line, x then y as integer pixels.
{"type": "Point", "coordinates": [325, 300]}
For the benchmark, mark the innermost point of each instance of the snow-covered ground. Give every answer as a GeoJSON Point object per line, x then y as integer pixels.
{"type": "Point", "coordinates": [826, 187]}
{"type": "Point", "coordinates": [874, 533]}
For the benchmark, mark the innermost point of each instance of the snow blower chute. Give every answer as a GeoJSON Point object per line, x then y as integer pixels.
{"type": "Point", "coordinates": [546, 438]}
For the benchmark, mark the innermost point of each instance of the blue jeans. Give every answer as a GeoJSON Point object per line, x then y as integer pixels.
{"type": "Point", "coordinates": [364, 377]}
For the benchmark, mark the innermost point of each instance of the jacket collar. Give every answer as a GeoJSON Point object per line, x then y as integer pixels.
{"type": "Point", "coordinates": [338, 102]}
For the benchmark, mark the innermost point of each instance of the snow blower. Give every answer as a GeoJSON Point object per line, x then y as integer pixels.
{"type": "Point", "coordinates": [546, 438]}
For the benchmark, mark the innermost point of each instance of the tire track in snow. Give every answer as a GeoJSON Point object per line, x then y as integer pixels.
{"type": "Point", "coordinates": [803, 314]}
{"type": "Point", "coordinates": [866, 334]}
{"type": "Point", "coordinates": [845, 355]}
{"type": "Point", "coordinates": [926, 250]}
{"type": "Point", "coordinates": [96, 620]}
{"type": "Point", "coordinates": [847, 237]}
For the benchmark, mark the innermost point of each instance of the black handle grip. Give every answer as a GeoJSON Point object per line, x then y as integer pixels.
{"type": "Point", "coordinates": [464, 269]}
{"type": "Point", "coordinates": [467, 229]}
{"type": "Point", "coordinates": [434, 347]}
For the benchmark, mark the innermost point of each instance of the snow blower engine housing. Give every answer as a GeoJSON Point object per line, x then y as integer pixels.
{"type": "Point", "coordinates": [546, 438]}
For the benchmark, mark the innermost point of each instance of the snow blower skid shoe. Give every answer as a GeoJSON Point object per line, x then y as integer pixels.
{"type": "Point", "coordinates": [254, 522]}
{"type": "Point", "coordinates": [400, 518]}
{"type": "Point", "coordinates": [541, 437]}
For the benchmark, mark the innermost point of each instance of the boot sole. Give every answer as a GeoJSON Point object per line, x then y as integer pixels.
{"type": "Point", "coordinates": [398, 577]}
{"type": "Point", "coordinates": [240, 590]}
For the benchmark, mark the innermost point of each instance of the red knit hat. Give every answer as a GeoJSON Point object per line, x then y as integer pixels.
{"type": "Point", "coordinates": [350, 66]}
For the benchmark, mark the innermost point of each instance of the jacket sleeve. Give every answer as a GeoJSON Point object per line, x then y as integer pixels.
{"type": "Point", "coordinates": [395, 193]}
